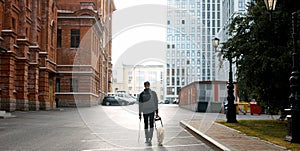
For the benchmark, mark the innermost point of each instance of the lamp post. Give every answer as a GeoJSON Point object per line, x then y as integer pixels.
{"type": "Point", "coordinates": [270, 4]}
{"type": "Point", "coordinates": [294, 110]}
{"type": "Point", "coordinates": [231, 108]}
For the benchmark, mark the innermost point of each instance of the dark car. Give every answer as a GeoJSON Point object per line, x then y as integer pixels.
{"type": "Point", "coordinates": [167, 102]}
{"type": "Point", "coordinates": [175, 101]}
{"type": "Point", "coordinates": [111, 100]}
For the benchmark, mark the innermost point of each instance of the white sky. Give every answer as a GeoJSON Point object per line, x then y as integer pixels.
{"type": "Point", "coordinates": [124, 36]}
{"type": "Point", "coordinates": [120, 4]}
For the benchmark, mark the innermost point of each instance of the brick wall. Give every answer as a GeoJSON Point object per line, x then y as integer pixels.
{"type": "Point", "coordinates": [88, 64]}
{"type": "Point", "coordinates": [30, 67]}
{"type": "Point", "coordinates": [190, 95]}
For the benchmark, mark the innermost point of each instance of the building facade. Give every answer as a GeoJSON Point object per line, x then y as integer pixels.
{"type": "Point", "coordinates": [135, 76]}
{"type": "Point", "coordinates": [191, 25]}
{"type": "Point", "coordinates": [230, 10]}
{"type": "Point", "coordinates": [30, 62]}
{"type": "Point", "coordinates": [84, 52]}
{"type": "Point", "coordinates": [205, 96]}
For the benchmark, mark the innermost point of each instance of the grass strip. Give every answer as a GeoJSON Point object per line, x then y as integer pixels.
{"type": "Point", "coordinates": [273, 131]}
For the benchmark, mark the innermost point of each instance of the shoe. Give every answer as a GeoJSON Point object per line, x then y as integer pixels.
{"type": "Point", "coordinates": [149, 144]}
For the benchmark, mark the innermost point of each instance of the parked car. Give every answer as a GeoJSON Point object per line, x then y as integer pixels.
{"type": "Point", "coordinates": [123, 96]}
{"type": "Point", "coordinates": [175, 101]}
{"type": "Point", "coordinates": [111, 100]}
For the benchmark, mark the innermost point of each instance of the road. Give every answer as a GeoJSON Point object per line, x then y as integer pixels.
{"type": "Point", "coordinates": [94, 129]}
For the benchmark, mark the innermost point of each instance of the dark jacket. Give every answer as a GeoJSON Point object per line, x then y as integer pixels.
{"type": "Point", "coordinates": [148, 106]}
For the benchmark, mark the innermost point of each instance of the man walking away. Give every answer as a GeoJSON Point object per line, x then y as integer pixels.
{"type": "Point", "coordinates": [148, 106]}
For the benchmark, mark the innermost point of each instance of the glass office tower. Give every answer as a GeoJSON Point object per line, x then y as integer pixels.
{"type": "Point", "coordinates": [190, 56]}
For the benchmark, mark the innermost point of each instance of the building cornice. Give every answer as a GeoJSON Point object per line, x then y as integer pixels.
{"type": "Point", "coordinates": [74, 72]}
{"type": "Point", "coordinates": [76, 93]}
{"type": "Point", "coordinates": [74, 65]}
{"type": "Point", "coordinates": [76, 17]}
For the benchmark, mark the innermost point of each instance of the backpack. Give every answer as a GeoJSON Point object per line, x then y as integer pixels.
{"type": "Point", "coordinates": [146, 96]}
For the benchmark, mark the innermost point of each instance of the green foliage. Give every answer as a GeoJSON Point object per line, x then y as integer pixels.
{"type": "Point", "coordinates": [261, 46]}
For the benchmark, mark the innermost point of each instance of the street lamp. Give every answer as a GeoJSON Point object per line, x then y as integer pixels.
{"type": "Point", "coordinates": [231, 108]}
{"type": "Point", "coordinates": [294, 110]}
{"type": "Point", "coordinates": [270, 4]}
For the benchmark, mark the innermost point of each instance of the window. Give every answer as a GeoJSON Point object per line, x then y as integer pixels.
{"type": "Point", "coordinates": [27, 3]}
{"type": "Point", "coordinates": [173, 81]}
{"type": "Point", "coordinates": [38, 7]}
{"type": "Point", "coordinates": [183, 21]}
{"type": "Point", "coordinates": [13, 22]}
{"type": "Point", "coordinates": [57, 87]}
{"type": "Point", "coordinates": [75, 38]}
{"type": "Point", "coordinates": [52, 34]}
{"type": "Point", "coordinates": [73, 85]}
{"type": "Point", "coordinates": [170, 91]}
{"type": "Point", "coordinates": [27, 32]}
{"type": "Point", "coordinates": [177, 81]}
{"type": "Point", "coordinates": [168, 81]}
{"type": "Point", "coordinates": [59, 38]}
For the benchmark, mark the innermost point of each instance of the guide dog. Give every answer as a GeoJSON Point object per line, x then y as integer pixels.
{"type": "Point", "coordinates": [159, 130]}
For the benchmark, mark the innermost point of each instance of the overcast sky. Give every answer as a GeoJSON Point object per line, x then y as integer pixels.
{"type": "Point", "coordinates": [137, 23]}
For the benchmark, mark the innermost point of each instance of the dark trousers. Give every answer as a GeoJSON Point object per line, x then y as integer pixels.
{"type": "Point", "coordinates": [148, 120]}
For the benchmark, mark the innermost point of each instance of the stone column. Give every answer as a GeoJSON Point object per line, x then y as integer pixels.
{"type": "Point", "coordinates": [8, 100]}
{"type": "Point", "coordinates": [21, 81]}
{"type": "Point", "coordinates": [7, 77]}
{"type": "Point", "coordinates": [33, 78]}
{"type": "Point", "coordinates": [43, 83]}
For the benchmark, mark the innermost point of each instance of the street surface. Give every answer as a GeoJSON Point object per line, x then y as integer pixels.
{"type": "Point", "coordinates": [97, 128]}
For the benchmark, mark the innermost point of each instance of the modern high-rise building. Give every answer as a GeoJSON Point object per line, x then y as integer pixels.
{"type": "Point", "coordinates": [190, 56]}
{"type": "Point", "coordinates": [229, 10]}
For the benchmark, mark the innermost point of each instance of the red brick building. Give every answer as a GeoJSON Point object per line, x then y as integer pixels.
{"type": "Point", "coordinates": [39, 41]}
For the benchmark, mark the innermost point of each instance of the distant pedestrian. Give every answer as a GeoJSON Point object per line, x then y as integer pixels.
{"type": "Point", "coordinates": [148, 106]}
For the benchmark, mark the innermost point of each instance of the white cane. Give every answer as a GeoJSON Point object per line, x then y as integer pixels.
{"type": "Point", "coordinates": [139, 131]}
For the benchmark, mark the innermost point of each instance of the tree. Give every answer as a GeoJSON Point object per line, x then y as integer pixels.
{"type": "Point", "coordinates": [262, 50]}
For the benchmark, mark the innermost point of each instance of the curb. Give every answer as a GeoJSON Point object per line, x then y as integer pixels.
{"type": "Point", "coordinates": [211, 142]}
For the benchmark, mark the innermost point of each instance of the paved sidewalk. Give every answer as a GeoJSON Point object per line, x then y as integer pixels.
{"type": "Point", "coordinates": [225, 138]}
